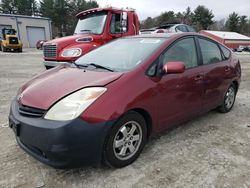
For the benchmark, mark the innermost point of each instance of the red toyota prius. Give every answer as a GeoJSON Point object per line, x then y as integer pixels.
{"type": "Point", "coordinates": [106, 105]}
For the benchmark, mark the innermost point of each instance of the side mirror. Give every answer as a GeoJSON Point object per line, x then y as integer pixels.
{"type": "Point", "coordinates": [174, 67]}
{"type": "Point", "coordinates": [124, 19]}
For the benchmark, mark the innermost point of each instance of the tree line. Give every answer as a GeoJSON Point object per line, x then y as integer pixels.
{"type": "Point", "coordinates": [62, 13]}
{"type": "Point", "coordinates": [201, 18]}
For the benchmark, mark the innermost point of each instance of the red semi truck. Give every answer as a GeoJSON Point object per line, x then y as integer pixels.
{"type": "Point", "coordinates": [95, 27]}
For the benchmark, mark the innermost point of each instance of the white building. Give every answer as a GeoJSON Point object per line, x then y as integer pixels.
{"type": "Point", "coordinates": [29, 29]}
{"type": "Point", "coordinates": [230, 39]}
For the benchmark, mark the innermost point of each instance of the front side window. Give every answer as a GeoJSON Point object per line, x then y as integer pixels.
{"type": "Point", "coordinates": [93, 23]}
{"type": "Point", "coordinates": [184, 50]}
{"type": "Point", "coordinates": [118, 56]}
{"type": "Point", "coordinates": [210, 51]}
{"type": "Point", "coordinates": [115, 25]}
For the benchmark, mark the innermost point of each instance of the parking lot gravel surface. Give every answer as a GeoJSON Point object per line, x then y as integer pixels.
{"type": "Point", "coordinates": [212, 150]}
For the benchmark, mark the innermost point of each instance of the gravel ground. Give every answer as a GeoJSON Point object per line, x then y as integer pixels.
{"type": "Point", "coordinates": [212, 150]}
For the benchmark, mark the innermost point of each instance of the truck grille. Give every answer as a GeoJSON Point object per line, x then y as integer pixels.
{"type": "Point", "coordinates": [50, 51]}
{"type": "Point", "coordinates": [13, 40]}
{"type": "Point", "coordinates": [30, 111]}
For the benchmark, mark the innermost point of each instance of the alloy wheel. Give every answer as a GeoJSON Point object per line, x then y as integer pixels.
{"type": "Point", "coordinates": [127, 140]}
{"type": "Point", "coordinates": [230, 97]}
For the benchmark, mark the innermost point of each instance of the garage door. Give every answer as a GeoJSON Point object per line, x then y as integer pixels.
{"type": "Point", "coordinates": [3, 26]}
{"type": "Point", "coordinates": [35, 34]}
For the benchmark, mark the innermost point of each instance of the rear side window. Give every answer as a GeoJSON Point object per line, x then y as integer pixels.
{"type": "Point", "coordinates": [225, 51]}
{"type": "Point", "coordinates": [184, 50]}
{"type": "Point", "coordinates": [210, 51]}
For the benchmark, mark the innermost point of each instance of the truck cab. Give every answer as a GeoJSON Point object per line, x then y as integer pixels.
{"type": "Point", "coordinates": [95, 27]}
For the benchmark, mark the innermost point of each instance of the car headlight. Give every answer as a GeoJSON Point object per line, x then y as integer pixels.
{"type": "Point", "coordinates": [74, 104]}
{"type": "Point", "coordinates": [73, 52]}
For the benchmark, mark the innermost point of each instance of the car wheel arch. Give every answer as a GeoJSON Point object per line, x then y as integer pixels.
{"type": "Point", "coordinates": [138, 111]}
{"type": "Point", "coordinates": [147, 118]}
{"type": "Point", "coordinates": [235, 83]}
{"type": "Point", "coordinates": [145, 114]}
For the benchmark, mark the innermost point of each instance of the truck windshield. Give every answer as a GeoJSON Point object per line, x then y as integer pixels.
{"type": "Point", "coordinates": [118, 56]}
{"type": "Point", "coordinates": [93, 23]}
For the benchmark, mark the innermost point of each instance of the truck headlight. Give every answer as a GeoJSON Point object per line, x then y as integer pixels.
{"type": "Point", "coordinates": [72, 52]}
{"type": "Point", "coordinates": [74, 104]}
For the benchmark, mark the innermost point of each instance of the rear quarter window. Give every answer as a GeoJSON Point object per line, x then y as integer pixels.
{"type": "Point", "coordinates": [226, 52]}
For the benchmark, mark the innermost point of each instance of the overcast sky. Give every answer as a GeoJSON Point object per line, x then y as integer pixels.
{"type": "Point", "coordinates": [146, 8]}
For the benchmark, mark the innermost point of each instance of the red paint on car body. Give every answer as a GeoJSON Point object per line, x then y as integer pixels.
{"type": "Point", "coordinates": [182, 96]}
{"type": "Point", "coordinates": [47, 88]}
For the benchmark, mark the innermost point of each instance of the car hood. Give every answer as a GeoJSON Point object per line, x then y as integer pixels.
{"type": "Point", "coordinates": [72, 40]}
{"type": "Point", "coordinates": [64, 40]}
{"type": "Point", "coordinates": [47, 88]}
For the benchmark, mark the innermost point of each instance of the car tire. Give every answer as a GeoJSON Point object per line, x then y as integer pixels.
{"type": "Point", "coordinates": [20, 50]}
{"type": "Point", "coordinates": [0, 46]}
{"type": "Point", "coordinates": [229, 99]}
{"type": "Point", "coordinates": [126, 140]}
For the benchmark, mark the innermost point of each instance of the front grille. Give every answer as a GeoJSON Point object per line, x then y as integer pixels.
{"type": "Point", "coordinates": [13, 40]}
{"type": "Point", "coordinates": [30, 111]}
{"type": "Point", "coordinates": [50, 51]}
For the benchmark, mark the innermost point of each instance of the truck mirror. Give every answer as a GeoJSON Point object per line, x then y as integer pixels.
{"type": "Point", "coordinates": [124, 16]}
{"type": "Point", "coordinates": [124, 19]}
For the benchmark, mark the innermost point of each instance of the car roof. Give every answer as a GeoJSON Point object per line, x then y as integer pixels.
{"type": "Point", "coordinates": [164, 35]}
{"type": "Point", "coordinates": [170, 24]}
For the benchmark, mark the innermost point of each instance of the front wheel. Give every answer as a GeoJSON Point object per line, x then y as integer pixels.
{"type": "Point", "coordinates": [229, 99]}
{"type": "Point", "coordinates": [126, 140]}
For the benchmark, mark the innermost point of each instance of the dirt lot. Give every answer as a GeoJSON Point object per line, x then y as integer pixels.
{"type": "Point", "coordinates": [210, 151]}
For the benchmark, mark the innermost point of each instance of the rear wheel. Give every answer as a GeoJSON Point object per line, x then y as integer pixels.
{"type": "Point", "coordinates": [126, 140]}
{"type": "Point", "coordinates": [20, 50]}
{"type": "Point", "coordinates": [0, 46]}
{"type": "Point", "coordinates": [229, 99]}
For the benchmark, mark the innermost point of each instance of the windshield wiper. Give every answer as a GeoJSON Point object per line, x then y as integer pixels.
{"type": "Point", "coordinates": [100, 67]}
{"type": "Point", "coordinates": [79, 65]}
{"type": "Point", "coordinates": [92, 64]}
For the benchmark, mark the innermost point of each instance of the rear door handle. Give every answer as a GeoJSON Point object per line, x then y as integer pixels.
{"type": "Point", "coordinates": [227, 69]}
{"type": "Point", "coordinates": [198, 77]}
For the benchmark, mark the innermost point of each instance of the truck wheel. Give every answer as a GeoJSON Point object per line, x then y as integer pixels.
{"type": "Point", "coordinates": [20, 50]}
{"type": "Point", "coordinates": [126, 140]}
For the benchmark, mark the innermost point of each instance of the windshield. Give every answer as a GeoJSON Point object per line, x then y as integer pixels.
{"type": "Point", "coordinates": [93, 23]}
{"type": "Point", "coordinates": [122, 54]}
